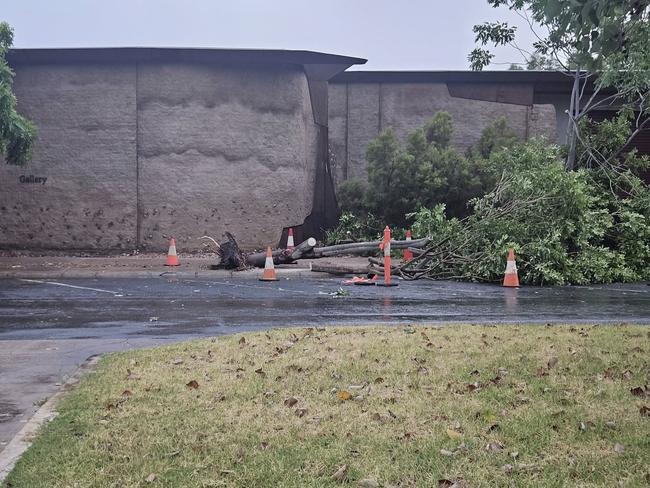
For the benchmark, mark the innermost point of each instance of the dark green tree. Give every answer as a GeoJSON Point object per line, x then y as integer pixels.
{"type": "Point", "coordinates": [17, 134]}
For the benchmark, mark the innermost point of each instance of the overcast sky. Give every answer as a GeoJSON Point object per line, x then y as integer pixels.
{"type": "Point", "coordinates": [391, 34]}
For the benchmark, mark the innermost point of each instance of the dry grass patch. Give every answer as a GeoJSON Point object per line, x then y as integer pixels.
{"type": "Point", "coordinates": [381, 406]}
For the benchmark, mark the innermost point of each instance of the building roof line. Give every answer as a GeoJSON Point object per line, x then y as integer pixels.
{"type": "Point", "coordinates": [201, 54]}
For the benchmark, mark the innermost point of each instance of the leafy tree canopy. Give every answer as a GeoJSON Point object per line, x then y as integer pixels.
{"type": "Point", "coordinates": [605, 45]}
{"type": "Point", "coordinates": [16, 132]}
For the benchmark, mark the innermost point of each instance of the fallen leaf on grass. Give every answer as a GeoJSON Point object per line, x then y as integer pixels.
{"type": "Point", "coordinates": [494, 446]}
{"type": "Point", "coordinates": [242, 341]}
{"type": "Point", "coordinates": [644, 411]}
{"type": "Point", "coordinates": [407, 436]}
{"type": "Point", "coordinates": [301, 412]}
{"type": "Point", "coordinates": [445, 483]}
{"type": "Point", "coordinates": [341, 474]}
{"type": "Point", "coordinates": [445, 452]}
{"type": "Point", "coordinates": [151, 478]}
{"type": "Point", "coordinates": [626, 375]}
{"type": "Point", "coordinates": [127, 393]}
{"type": "Point", "coordinates": [177, 361]}
{"type": "Point", "coordinates": [193, 384]}
{"type": "Point", "coordinates": [541, 372]}
{"type": "Point", "coordinates": [619, 448]}
{"type": "Point", "coordinates": [454, 434]}
{"type": "Point", "coordinates": [640, 391]}
{"type": "Point", "coordinates": [131, 376]}
{"type": "Point", "coordinates": [343, 395]}
{"type": "Point", "coordinates": [291, 401]}
{"type": "Point", "coordinates": [552, 362]}
{"type": "Point", "coordinates": [368, 483]}
{"type": "Point", "coordinates": [260, 372]}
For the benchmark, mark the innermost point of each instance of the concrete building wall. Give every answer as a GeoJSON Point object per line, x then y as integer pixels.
{"type": "Point", "coordinates": [223, 149]}
{"type": "Point", "coordinates": [359, 111]}
{"type": "Point", "coordinates": [136, 153]}
{"type": "Point", "coordinates": [86, 148]}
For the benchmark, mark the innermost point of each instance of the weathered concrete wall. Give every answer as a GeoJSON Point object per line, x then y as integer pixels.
{"type": "Point", "coordinates": [359, 111]}
{"type": "Point", "coordinates": [86, 149]}
{"type": "Point", "coordinates": [221, 149]}
{"type": "Point", "coordinates": [136, 153]}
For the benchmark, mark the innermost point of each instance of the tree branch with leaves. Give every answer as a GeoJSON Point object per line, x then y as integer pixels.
{"type": "Point", "coordinates": [17, 134]}
{"type": "Point", "coordinates": [602, 44]}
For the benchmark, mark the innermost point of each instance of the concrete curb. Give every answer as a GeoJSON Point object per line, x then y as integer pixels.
{"type": "Point", "coordinates": [214, 274]}
{"type": "Point", "coordinates": [12, 452]}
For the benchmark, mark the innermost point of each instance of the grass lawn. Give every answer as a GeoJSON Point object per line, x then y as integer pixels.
{"type": "Point", "coordinates": [381, 406]}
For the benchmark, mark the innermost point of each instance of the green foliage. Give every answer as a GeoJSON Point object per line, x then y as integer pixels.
{"type": "Point", "coordinates": [604, 44]}
{"type": "Point", "coordinates": [610, 37]}
{"type": "Point", "coordinates": [390, 173]}
{"type": "Point", "coordinates": [422, 173]}
{"type": "Point", "coordinates": [497, 136]}
{"type": "Point", "coordinates": [355, 228]}
{"type": "Point", "coordinates": [351, 196]}
{"type": "Point", "coordinates": [567, 227]}
{"type": "Point", "coordinates": [606, 140]}
{"type": "Point", "coordinates": [16, 132]}
{"type": "Point", "coordinates": [439, 129]}
{"type": "Point", "coordinates": [538, 62]}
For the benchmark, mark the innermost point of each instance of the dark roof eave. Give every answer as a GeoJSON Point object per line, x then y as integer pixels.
{"type": "Point", "coordinates": [452, 76]}
{"type": "Point", "coordinates": [545, 82]}
{"type": "Point", "coordinates": [113, 54]}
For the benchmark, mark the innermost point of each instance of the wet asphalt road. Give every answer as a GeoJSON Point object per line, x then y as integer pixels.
{"type": "Point", "coordinates": [49, 327]}
{"type": "Point", "coordinates": [118, 308]}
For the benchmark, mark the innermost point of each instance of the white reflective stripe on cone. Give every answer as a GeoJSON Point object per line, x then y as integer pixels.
{"type": "Point", "coordinates": [268, 264]}
{"type": "Point", "coordinates": [511, 267]}
{"type": "Point", "coordinates": [172, 251]}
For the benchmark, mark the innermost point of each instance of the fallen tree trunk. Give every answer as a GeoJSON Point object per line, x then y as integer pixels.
{"type": "Point", "coordinates": [307, 250]}
{"type": "Point", "coordinates": [283, 256]}
{"type": "Point", "coordinates": [362, 247]}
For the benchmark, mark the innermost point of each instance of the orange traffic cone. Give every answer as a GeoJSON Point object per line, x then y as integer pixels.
{"type": "Point", "coordinates": [511, 279]}
{"type": "Point", "coordinates": [290, 245]}
{"type": "Point", "coordinates": [269, 269]}
{"type": "Point", "coordinates": [172, 258]}
{"type": "Point", "coordinates": [408, 255]}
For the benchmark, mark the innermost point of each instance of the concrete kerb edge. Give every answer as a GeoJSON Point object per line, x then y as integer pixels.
{"type": "Point", "coordinates": [17, 446]}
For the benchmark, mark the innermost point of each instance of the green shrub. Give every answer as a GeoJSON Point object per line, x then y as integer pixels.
{"type": "Point", "coordinates": [351, 197]}
{"type": "Point", "coordinates": [356, 228]}
{"type": "Point", "coordinates": [495, 137]}
{"type": "Point", "coordinates": [422, 173]}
